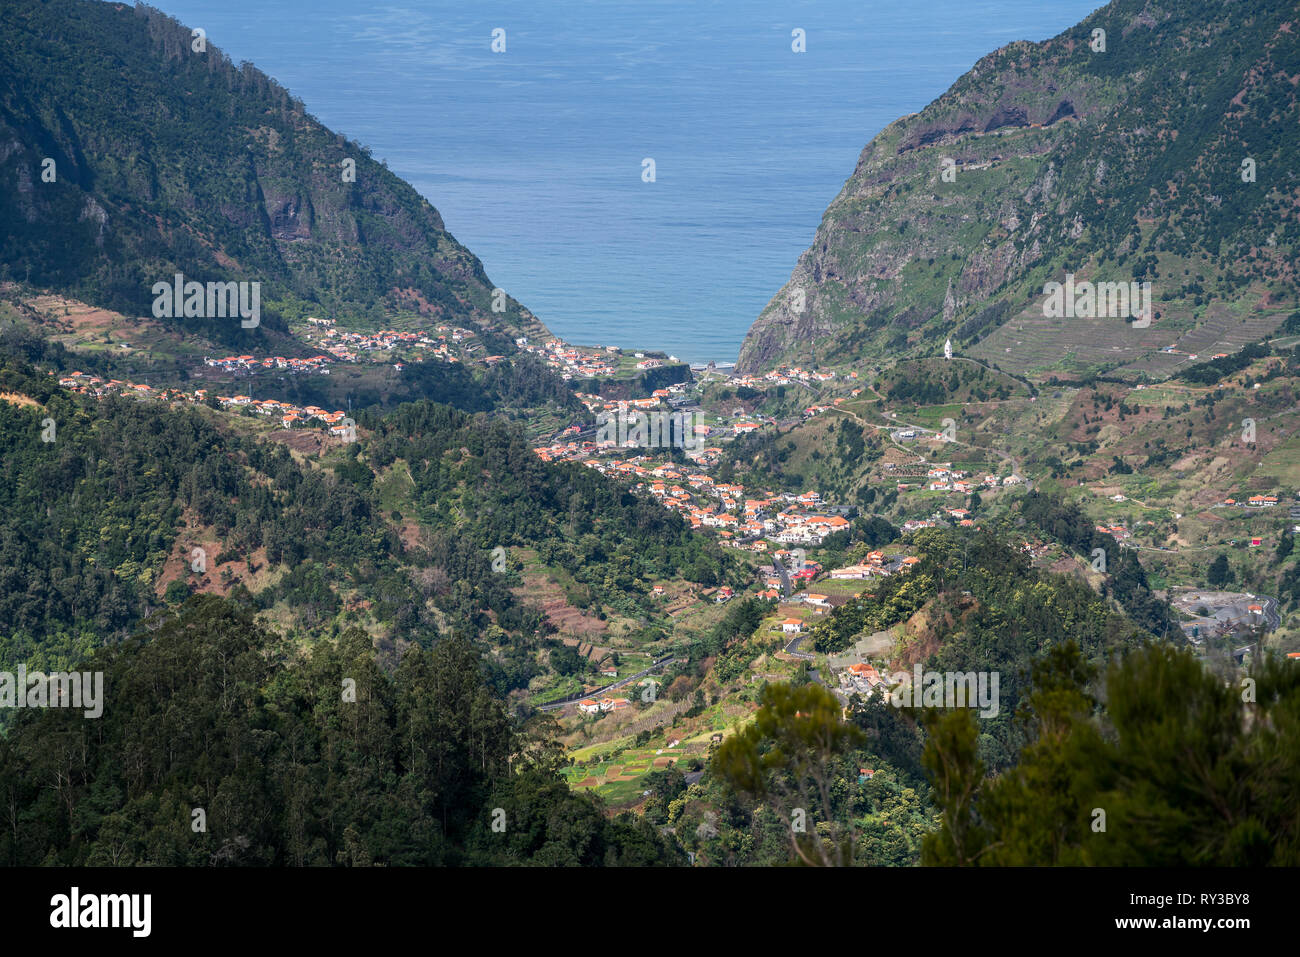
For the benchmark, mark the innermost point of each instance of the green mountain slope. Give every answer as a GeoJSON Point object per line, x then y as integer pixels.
{"type": "Point", "coordinates": [1118, 165]}
{"type": "Point", "coordinates": [170, 159]}
{"type": "Point", "coordinates": [397, 533]}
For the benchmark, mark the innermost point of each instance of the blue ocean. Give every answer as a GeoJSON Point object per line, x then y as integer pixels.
{"type": "Point", "coordinates": [537, 156]}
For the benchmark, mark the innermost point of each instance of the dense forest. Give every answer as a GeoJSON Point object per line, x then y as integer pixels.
{"type": "Point", "coordinates": [220, 745]}
{"type": "Point", "coordinates": [1160, 764]}
{"type": "Point", "coordinates": [802, 784]}
{"type": "Point", "coordinates": [1125, 579]}
{"type": "Point", "coordinates": [1142, 760]}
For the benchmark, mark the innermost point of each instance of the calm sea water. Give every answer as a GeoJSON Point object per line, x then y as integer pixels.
{"type": "Point", "coordinates": [535, 156]}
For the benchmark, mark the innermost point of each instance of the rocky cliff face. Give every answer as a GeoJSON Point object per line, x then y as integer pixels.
{"type": "Point", "coordinates": [129, 153]}
{"type": "Point", "coordinates": [1119, 157]}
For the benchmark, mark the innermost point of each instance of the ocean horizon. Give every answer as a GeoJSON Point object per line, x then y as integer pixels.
{"type": "Point", "coordinates": [536, 156]}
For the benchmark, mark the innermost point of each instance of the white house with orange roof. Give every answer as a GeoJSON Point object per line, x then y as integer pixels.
{"type": "Point", "coordinates": [849, 572]}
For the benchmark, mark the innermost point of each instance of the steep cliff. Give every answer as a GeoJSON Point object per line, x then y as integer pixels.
{"type": "Point", "coordinates": [1118, 158]}
{"type": "Point", "coordinates": [132, 148]}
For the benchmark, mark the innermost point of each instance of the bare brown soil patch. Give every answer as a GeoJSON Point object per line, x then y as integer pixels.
{"type": "Point", "coordinates": [547, 595]}
{"type": "Point", "coordinates": [17, 398]}
{"type": "Point", "coordinates": [594, 652]}
{"type": "Point", "coordinates": [213, 580]}
{"type": "Point", "coordinates": [304, 441]}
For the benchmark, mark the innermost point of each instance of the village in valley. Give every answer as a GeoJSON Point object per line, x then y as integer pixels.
{"type": "Point", "coordinates": [793, 544]}
{"type": "Point", "coordinates": [774, 529]}
{"type": "Point", "coordinates": [782, 535]}
{"type": "Point", "coordinates": [762, 522]}
{"type": "Point", "coordinates": [791, 541]}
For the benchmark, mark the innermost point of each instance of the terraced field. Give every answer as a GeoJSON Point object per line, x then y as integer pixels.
{"type": "Point", "coordinates": [616, 778]}
{"type": "Point", "coordinates": [1283, 463]}
{"type": "Point", "coordinates": [1223, 331]}
{"type": "Point", "coordinates": [1032, 343]}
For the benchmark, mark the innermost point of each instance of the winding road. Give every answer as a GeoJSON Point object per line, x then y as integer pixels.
{"type": "Point", "coordinates": [556, 705]}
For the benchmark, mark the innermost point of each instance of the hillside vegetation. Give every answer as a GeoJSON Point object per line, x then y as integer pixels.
{"type": "Point", "coordinates": [1117, 165]}
{"type": "Point", "coordinates": [167, 157]}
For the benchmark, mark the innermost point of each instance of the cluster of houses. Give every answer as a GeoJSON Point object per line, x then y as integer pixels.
{"type": "Point", "coordinates": [588, 453]}
{"type": "Point", "coordinates": [863, 679]}
{"type": "Point", "coordinates": [250, 364]}
{"type": "Point", "coordinates": [291, 416]}
{"type": "Point", "coordinates": [913, 524]}
{"type": "Point", "coordinates": [96, 387]}
{"type": "Point", "coordinates": [801, 572]}
{"type": "Point", "coordinates": [742, 522]}
{"type": "Point", "coordinates": [1255, 501]}
{"type": "Point", "coordinates": [804, 572]}
{"type": "Point", "coordinates": [815, 410]}
{"type": "Point", "coordinates": [346, 346]}
{"type": "Point", "coordinates": [875, 565]}
{"type": "Point", "coordinates": [1119, 532]}
{"type": "Point", "coordinates": [945, 479]}
{"type": "Point", "coordinates": [785, 376]}
{"type": "Point", "coordinates": [741, 518]}
{"type": "Point", "coordinates": [569, 444]}
{"type": "Point", "coordinates": [574, 363]}
{"type": "Point", "coordinates": [598, 404]}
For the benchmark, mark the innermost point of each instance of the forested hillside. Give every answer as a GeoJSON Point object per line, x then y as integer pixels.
{"type": "Point", "coordinates": [224, 747]}
{"type": "Point", "coordinates": [1150, 761]}
{"type": "Point", "coordinates": [132, 149]}
{"type": "Point", "coordinates": [395, 531]}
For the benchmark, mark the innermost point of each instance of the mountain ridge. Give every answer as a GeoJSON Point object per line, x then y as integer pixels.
{"type": "Point", "coordinates": [227, 177]}
{"type": "Point", "coordinates": [1035, 158]}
